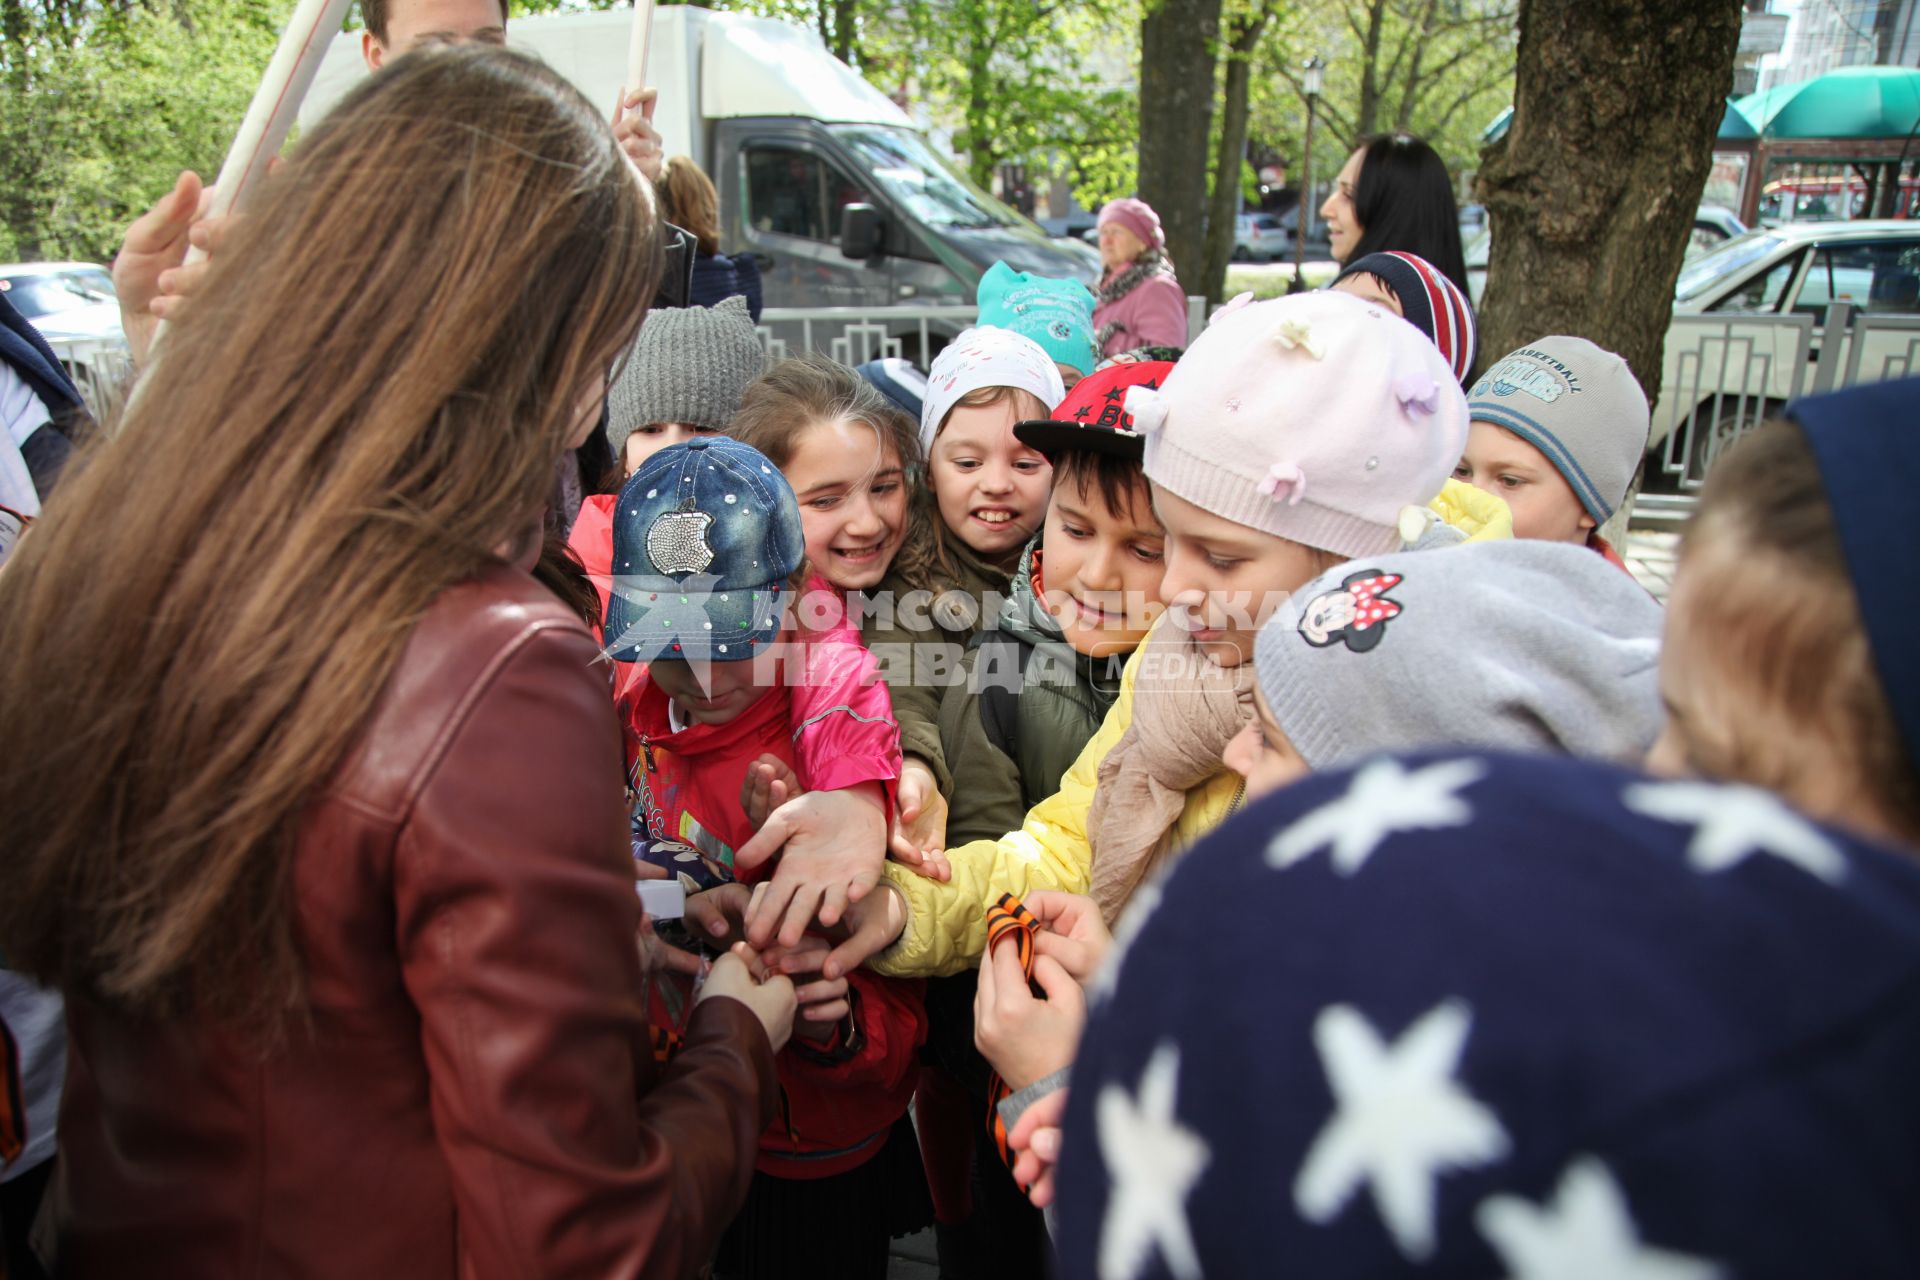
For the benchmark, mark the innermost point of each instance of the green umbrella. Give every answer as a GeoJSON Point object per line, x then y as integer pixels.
{"type": "Point", "coordinates": [1733, 126]}
{"type": "Point", "coordinates": [1853, 102]}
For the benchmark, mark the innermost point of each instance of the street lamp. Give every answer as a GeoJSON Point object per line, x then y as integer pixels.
{"type": "Point", "coordinates": [1310, 80]}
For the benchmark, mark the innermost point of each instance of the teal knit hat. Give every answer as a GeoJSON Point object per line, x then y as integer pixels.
{"type": "Point", "coordinates": [1057, 314]}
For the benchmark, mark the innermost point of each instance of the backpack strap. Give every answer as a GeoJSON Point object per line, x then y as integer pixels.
{"type": "Point", "coordinates": [999, 697]}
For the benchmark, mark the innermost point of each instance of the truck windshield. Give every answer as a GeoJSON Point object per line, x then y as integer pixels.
{"type": "Point", "coordinates": [936, 193]}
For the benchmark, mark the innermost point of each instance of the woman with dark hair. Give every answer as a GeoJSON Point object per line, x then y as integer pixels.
{"type": "Point", "coordinates": [1394, 192]}
{"type": "Point", "coordinates": [320, 831]}
{"type": "Point", "coordinates": [689, 201]}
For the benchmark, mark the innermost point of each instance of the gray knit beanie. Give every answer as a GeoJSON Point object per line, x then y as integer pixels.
{"type": "Point", "coordinates": [1576, 403]}
{"type": "Point", "coordinates": [689, 364]}
{"type": "Point", "coordinates": [1518, 645]}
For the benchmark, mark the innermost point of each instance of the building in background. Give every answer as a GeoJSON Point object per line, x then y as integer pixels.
{"type": "Point", "coordinates": [1825, 35]}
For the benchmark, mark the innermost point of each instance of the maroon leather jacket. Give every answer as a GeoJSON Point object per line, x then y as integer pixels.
{"type": "Point", "coordinates": [474, 1094]}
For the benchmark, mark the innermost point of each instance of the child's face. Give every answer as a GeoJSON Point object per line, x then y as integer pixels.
{"type": "Point", "coordinates": [729, 688]}
{"type": "Point", "coordinates": [651, 437]}
{"type": "Point", "coordinates": [1222, 580]}
{"type": "Point", "coordinates": [1508, 467]}
{"type": "Point", "coordinates": [990, 488]}
{"type": "Point", "coordinates": [1366, 285]}
{"type": "Point", "coordinates": [1261, 754]}
{"type": "Point", "coordinates": [853, 502]}
{"type": "Point", "coordinates": [1101, 571]}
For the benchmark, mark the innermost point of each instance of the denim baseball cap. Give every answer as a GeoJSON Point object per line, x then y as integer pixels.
{"type": "Point", "coordinates": [705, 537]}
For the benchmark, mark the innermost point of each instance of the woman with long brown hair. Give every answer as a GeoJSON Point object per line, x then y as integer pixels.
{"type": "Point", "coordinates": [317, 813]}
{"type": "Point", "coordinates": [689, 201]}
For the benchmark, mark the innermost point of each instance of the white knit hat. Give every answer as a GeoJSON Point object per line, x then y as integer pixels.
{"type": "Point", "coordinates": [986, 357]}
{"type": "Point", "coordinates": [1316, 417]}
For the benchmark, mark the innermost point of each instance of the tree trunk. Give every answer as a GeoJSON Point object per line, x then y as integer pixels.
{"type": "Point", "coordinates": [1593, 189]}
{"type": "Point", "coordinates": [1227, 161]}
{"type": "Point", "coordinates": [981, 151]}
{"type": "Point", "coordinates": [1365, 120]}
{"type": "Point", "coordinates": [1176, 115]}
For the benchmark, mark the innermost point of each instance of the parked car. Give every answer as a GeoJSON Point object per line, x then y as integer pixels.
{"type": "Point", "coordinates": [74, 307]}
{"type": "Point", "coordinates": [845, 201]}
{"type": "Point", "coordinates": [1718, 381]}
{"type": "Point", "coordinates": [1259, 237]}
{"type": "Point", "coordinates": [1712, 226]}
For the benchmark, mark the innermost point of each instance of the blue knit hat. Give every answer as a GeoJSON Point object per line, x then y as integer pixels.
{"type": "Point", "coordinates": [1478, 1016]}
{"type": "Point", "coordinates": [1057, 314]}
{"type": "Point", "coordinates": [1864, 443]}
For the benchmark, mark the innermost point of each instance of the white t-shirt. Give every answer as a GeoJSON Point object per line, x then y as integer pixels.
{"type": "Point", "coordinates": [22, 413]}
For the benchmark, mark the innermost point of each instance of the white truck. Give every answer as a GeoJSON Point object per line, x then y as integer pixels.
{"type": "Point", "coordinates": [845, 202]}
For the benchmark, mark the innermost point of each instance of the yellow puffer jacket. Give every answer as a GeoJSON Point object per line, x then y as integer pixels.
{"type": "Point", "coordinates": [946, 923]}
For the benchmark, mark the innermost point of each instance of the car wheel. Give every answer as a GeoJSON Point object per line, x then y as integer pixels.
{"type": "Point", "coordinates": [1242, 254]}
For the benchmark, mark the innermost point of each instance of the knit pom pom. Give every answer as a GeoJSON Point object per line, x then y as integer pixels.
{"type": "Point", "coordinates": [1285, 482]}
{"type": "Point", "coordinates": [1294, 334]}
{"type": "Point", "coordinates": [1148, 409]}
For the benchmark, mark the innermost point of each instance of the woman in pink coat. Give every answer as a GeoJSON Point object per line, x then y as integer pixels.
{"type": "Point", "coordinates": [1139, 302]}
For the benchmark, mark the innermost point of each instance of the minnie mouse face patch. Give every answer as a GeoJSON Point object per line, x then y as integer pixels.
{"type": "Point", "coordinates": [1356, 615]}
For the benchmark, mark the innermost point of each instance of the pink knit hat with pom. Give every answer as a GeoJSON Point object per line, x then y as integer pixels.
{"type": "Point", "coordinates": [1317, 417]}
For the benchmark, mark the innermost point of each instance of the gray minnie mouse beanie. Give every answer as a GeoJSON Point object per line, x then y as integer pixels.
{"type": "Point", "coordinates": [1518, 645]}
{"type": "Point", "coordinates": [689, 364]}
{"type": "Point", "coordinates": [1578, 404]}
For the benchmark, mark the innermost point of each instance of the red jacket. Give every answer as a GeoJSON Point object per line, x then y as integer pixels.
{"type": "Point", "coordinates": [474, 1093]}
{"type": "Point", "coordinates": [843, 1098]}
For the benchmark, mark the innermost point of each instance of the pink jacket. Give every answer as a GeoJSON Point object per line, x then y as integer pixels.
{"type": "Point", "coordinates": [1151, 314]}
{"type": "Point", "coordinates": [842, 728]}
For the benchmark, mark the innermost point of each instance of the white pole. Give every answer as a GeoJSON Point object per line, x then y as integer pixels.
{"type": "Point", "coordinates": [637, 42]}
{"type": "Point", "coordinates": [275, 103]}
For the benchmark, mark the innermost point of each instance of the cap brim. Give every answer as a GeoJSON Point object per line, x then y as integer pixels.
{"type": "Point", "coordinates": [645, 624]}
{"type": "Point", "coordinates": [1051, 437]}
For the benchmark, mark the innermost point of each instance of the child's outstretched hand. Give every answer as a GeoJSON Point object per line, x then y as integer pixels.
{"type": "Point", "coordinates": [831, 846]}
{"type": "Point", "coordinates": [823, 1003]}
{"type": "Point", "coordinates": [1023, 1037]}
{"type": "Point", "coordinates": [770, 783]}
{"type": "Point", "coordinates": [718, 914]}
{"type": "Point", "coordinates": [1073, 932]}
{"type": "Point", "coordinates": [870, 927]}
{"type": "Point", "coordinates": [918, 831]}
{"type": "Point", "coordinates": [1037, 1138]}
{"type": "Point", "coordinates": [659, 956]}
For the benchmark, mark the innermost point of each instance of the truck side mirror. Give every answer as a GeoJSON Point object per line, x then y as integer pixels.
{"type": "Point", "coordinates": [860, 229]}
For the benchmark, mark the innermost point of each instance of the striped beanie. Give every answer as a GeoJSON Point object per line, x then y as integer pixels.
{"type": "Point", "coordinates": [1429, 301]}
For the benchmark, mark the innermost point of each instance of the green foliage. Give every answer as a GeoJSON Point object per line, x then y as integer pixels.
{"type": "Point", "coordinates": [1438, 68]}
{"type": "Point", "coordinates": [106, 105]}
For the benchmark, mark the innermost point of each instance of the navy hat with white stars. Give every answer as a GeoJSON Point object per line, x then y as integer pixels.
{"type": "Point", "coordinates": [705, 537]}
{"type": "Point", "coordinates": [1501, 1016]}
{"type": "Point", "coordinates": [1094, 416]}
